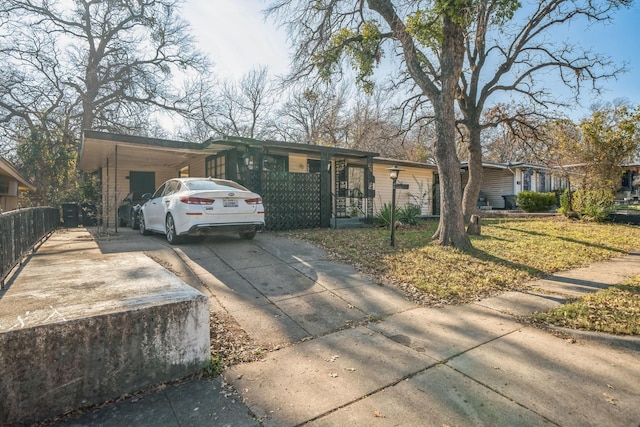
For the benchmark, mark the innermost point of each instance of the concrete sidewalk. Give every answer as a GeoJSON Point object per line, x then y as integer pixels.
{"type": "Point", "coordinates": [350, 351]}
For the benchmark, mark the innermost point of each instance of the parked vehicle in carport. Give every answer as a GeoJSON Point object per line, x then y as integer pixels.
{"type": "Point", "coordinates": [129, 208]}
{"type": "Point", "coordinates": [184, 207]}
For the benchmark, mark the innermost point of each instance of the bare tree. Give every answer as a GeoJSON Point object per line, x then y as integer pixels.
{"type": "Point", "coordinates": [118, 59]}
{"type": "Point", "coordinates": [517, 135]}
{"type": "Point", "coordinates": [314, 115]}
{"type": "Point", "coordinates": [507, 54]}
{"type": "Point", "coordinates": [373, 125]}
{"type": "Point", "coordinates": [243, 108]}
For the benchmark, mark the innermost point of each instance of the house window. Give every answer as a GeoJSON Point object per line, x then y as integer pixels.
{"type": "Point", "coordinates": [184, 172]}
{"type": "Point", "coordinates": [216, 166]}
{"type": "Point", "coordinates": [276, 163]}
{"type": "Point", "coordinates": [313, 166]}
{"type": "Point", "coordinates": [526, 180]}
{"type": "Point", "coordinates": [542, 184]}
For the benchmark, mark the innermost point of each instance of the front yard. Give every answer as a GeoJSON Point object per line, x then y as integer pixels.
{"type": "Point", "coordinates": [509, 253]}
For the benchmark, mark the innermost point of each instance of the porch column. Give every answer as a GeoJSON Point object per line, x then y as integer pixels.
{"type": "Point", "coordinates": [369, 180]}
{"type": "Point", "coordinates": [325, 189]}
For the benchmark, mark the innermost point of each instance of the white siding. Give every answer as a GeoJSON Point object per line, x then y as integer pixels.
{"type": "Point", "coordinates": [420, 181]}
{"type": "Point", "coordinates": [495, 184]}
{"type": "Point", "coordinates": [196, 168]}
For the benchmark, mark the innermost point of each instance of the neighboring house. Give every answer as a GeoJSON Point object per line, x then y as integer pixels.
{"type": "Point", "coordinates": [303, 186]}
{"type": "Point", "coordinates": [630, 183]}
{"type": "Point", "coordinates": [11, 182]}
{"type": "Point", "coordinates": [501, 182]}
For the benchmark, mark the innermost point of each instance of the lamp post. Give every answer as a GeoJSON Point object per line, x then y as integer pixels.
{"type": "Point", "coordinates": [393, 174]}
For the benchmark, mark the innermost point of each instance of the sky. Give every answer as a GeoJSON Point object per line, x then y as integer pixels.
{"type": "Point", "coordinates": [237, 38]}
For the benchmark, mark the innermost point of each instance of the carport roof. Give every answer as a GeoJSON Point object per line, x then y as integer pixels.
{"type": "Point", "coordinates": [97, 146]}
{"type": "Point", "coordinates": [7, 169]}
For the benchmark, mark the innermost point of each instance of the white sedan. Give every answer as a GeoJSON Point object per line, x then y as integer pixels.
{"type": "Point", "coordinates": [200, 207]}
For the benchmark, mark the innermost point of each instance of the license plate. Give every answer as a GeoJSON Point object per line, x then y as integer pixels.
{"type": "Point", "coordinates": [230, 203]}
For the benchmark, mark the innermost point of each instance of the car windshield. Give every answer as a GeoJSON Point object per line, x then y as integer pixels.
{"type": "Point", "coordinates": [206, 184]}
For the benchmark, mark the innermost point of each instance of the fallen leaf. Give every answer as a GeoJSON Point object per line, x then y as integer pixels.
{"type": "Point", "coordinates": [333, 375]}
{"type": "Point", "coordinates": [379, 414]}
{"type": "Point", "coordinates": [609, 398]}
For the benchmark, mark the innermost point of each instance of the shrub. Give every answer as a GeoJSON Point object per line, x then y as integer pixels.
{"type": "Point", "coordinates": [530, 201]}
{"type": "Point", "coordinates": [383, 217]}
{"type": "Point", "coordinates": [595, 204]}
{"type": "Point", "coordinates": [410, 214]}
{"type": "Point", "coordinates": [565, 208]}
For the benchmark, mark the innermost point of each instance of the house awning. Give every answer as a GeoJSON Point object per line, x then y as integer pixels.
{"type": "Point", "coordinates": [7, 169]}
{"type": "Point", "coordinates": [96, 146]}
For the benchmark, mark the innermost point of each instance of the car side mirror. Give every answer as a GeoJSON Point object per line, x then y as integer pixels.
{"type": "Point", "coordinates": [146, 196]}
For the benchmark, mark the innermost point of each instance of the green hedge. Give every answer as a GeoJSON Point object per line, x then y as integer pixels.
{"type": "Point", "coordinates": [531, 201]}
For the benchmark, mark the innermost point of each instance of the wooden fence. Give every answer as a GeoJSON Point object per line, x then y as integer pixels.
{"type": "Point", "coordinates": [20, 231]}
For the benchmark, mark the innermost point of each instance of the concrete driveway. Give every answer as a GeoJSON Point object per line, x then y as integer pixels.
{"type": "Point", "coordinates": [280, 291]}
{"type": "Point", "coordinates": [353, 352]}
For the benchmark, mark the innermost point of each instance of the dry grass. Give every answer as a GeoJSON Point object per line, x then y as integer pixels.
{"type": "Point", "coordinates": [509, 253]}
{"type": "Point", "coordinates": [614, 310]}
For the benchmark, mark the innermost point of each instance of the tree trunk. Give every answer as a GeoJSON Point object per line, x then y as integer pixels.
{"type": "Point", "coordinates": [475, 225]}
{"type": "Point", "coordinates": [472, 189]}
{"type": "Point", "coordinates": [451, 230]}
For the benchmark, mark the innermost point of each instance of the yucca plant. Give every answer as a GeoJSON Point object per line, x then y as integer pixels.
{"type": "Point", "coordinates": [410, 214]}
{"type": "Point", "coordinates": [383, 217]}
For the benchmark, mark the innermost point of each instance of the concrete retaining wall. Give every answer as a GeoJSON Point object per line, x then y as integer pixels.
{"type": "Point", "coordinates": [50, 369]}
{"type": "Point", "coordinates": [79, 327]}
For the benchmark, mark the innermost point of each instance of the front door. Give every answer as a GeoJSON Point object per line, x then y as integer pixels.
{"type": "Point", "coordinates": [142, 182]}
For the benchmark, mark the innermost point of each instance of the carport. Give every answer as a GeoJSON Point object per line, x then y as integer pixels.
{"type": "Point", "coordinates": [303, 186]}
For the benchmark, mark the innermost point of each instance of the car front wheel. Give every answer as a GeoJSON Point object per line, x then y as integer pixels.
{"type": "Point", "coordinates": [170, 229]}
{"type": "Point", "coordinates": [143, 228]}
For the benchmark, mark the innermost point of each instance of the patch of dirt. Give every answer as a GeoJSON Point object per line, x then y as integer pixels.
{"type": "Point", "coordinates": [230, 342]}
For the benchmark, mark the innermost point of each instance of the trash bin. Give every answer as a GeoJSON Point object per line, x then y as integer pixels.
{"type": "Point", "coordinates": [70, 214]}
{"type": "Point", "coordinates": [509, 201]}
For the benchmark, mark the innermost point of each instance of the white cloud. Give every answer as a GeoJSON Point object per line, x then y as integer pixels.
{"type": "Point", "coordinates": [236, 36]}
